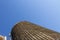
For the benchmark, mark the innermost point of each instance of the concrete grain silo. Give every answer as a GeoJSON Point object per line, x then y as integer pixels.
{"type": "Point", "coordinates": [3, 37]}
{"type": "Point", "coordinates": [29, 31]}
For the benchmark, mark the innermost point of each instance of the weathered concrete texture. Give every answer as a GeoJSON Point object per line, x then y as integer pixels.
{"type": "Point", "coordinates": [29, 31]}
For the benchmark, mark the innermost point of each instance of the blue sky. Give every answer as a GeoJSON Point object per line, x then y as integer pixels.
{"type": "Point", "coordinates": [42, 12]}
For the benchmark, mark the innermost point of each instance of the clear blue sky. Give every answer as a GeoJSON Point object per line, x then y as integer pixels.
{"type": "Point", "coordinates": [42, 12]}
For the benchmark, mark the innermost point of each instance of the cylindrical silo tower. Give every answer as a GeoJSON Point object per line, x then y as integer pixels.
{"type": "Point", "coordinates": [29, 31]}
